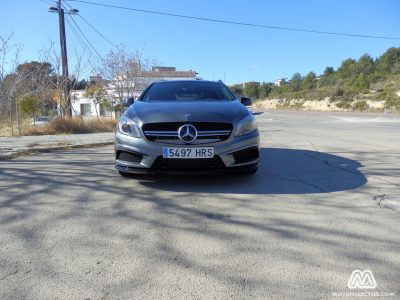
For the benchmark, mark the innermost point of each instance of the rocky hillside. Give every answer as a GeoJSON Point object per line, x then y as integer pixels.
{"type": "Point", "coordinates": [363, 84]}
{"type": "Point", "coordinates": [361, 102]}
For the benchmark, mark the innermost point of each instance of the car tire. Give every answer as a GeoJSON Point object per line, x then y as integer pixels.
{"type": "Point", "coordinates": [246, 171]}
{"type": "Point", "coordinates": [249, 171]}
{"type": "Point", "coordinates": [123, 174]}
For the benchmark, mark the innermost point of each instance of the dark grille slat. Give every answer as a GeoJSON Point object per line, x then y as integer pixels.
{"type": "Point", "coordinates": [204, 164]}
{"type": "Point", "coordinates": [169, 131]}
{"type": "Point", "coordinates": [173, 126]}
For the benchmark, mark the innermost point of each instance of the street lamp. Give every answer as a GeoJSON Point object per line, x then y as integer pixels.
{"type": "Point", "coordinates": [72, 11]}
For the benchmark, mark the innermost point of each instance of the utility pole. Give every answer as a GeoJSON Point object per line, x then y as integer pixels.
{"type": "Point", "coordinates": [64, 61]}
{"type": "Point", "coordinates": [64, 58]}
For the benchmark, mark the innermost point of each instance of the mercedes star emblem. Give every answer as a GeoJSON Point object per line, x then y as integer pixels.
{"type": "Point", "coordinates": [187, 133]}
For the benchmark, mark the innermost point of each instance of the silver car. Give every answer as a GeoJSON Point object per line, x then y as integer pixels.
{"type": "Point", "coordinates": [189, 126]}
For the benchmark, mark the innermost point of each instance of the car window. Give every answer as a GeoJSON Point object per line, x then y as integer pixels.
{"type": "Point", "coordinates": [195, 91]}
{"type": "Point", "coordinates": [42, 119]}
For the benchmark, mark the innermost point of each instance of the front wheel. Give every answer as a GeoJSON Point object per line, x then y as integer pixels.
{"type": "Point", "coordinates": [123, 174]}
{"type": "Point", "coordinates": [246, 171]}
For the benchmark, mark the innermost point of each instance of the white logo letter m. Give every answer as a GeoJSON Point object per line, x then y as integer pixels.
{"type": "Point", "coordinates": [361, 280]}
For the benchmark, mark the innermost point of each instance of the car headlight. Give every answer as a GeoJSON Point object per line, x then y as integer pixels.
{"type": "Point", "coordinates": [246, 126]}
{"type": "Point", "coordinates": [128, 127]}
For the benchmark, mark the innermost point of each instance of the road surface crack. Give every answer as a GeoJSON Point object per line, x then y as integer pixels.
{"type": "Point", "coordinates": [8, 275]}
{"type": "Point", "coordinates": [379, 199]}
{"type": "Point", "coordinates": [328, 163]}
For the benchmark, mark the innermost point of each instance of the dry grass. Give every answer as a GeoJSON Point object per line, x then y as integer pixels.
{"type": "Point", "coordinates": [5, 130]}
{"type": "Point", "coordinates": [5, 127]}
{"type": "Point", "coordinates": [72, 126]}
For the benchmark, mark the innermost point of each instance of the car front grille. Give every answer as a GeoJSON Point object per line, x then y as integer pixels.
{"type": "Point", "coordinates": [207, 132]}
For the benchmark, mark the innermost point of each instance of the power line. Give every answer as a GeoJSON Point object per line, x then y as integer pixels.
{"type": "Point", "coordinates": [86, 39]}
{"type": "Point", "coordinates": [238, 23]}
{"type": "Point", "coordinates": [78, 37]}
{"type": "Point", "coordinates": [102, 35]}
{"type": "Point", "coordinates": [81, 41]}
{"type": "Point", "coordinates": [47, 2]}
{"type": "Point", "coordinates": [84, 45]}
{"type": "Point", "coordinates": [84, 42]}
{"type": "Point", "coordinates": [96, 30]}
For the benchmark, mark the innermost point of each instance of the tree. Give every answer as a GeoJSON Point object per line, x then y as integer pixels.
{"type": "Point", "coordinates": [237, 89]}
{"type": "Point", "coordinates": [308, 82]}
{"type": "Point", "coordinates": [127, 71]}
{"type": "Point", "coordinates": [347, 69]}
{"type": "Point", "coordinates": [389, 62]}
{"type": "Point", "coordinates": [9, 56]}
{"type": "Point", "coordinates": [79, 84]}
{"type": "Point", "coordinates": [361, 83]}
{"type": "Point", "coordinates": [327, 79]}
{"type": "Point", "coordinates": [365, 65]}
{"type": "Point", "coordinates": [82, 62]}
{"type": "Point", "coordinates": [36, 78]}
{"type": "Point", "coordinates": [29, 105]}
{"type": "Point", "coordinates": [265, 90]}
{"type": "Point", "coordinates": [329, 71]}
{"type": "Point", "coordinates": [99, 96]}
{"type": "Point", "coordinates": [251, 89]}
{"type": "Point", "coordinates": [295, 82]}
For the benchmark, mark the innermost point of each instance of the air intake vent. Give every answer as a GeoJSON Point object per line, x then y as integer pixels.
{"type": "Point", "coordinates": [129, 156]}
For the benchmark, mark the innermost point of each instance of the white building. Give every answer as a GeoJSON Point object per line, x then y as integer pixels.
{"type": "Point", "coordinates": [280, 82]}
{"type": "Point", "coordinates": [85, 106]}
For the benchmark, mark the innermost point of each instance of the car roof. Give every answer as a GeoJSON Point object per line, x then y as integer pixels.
{"type": "Point", "coordinates": [187, 80]}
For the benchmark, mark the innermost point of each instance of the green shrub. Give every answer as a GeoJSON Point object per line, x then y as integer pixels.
{"type": "Point", "coordinates": [393, 102]}
{"type": "Point", "coordinates": [338, 92]}
{"type": "Point", "coordinates": [360, 105]}
{"type": "Point", "coordinates": [343, 103]}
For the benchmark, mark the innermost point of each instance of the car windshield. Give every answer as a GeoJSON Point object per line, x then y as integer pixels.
{"type": "Point", "coordinates": [187, 90]}
{"type": "Point", "coordinates": [42, 119]}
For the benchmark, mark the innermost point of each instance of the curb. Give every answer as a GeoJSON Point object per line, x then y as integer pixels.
{"type": "Point", "coordinates": [51, 149]}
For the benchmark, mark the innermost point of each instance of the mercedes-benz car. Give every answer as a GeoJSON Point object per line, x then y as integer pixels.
{"type": "Point", "coordinates": [187, 126]}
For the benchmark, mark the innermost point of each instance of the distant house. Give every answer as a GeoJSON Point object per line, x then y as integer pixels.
{"type": "Point", "coordinates": [85, 106]}
{"type": "Point", "coordinates": [280, 82]}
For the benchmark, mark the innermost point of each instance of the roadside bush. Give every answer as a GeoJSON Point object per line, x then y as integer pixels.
{"type": "Point", "coordinates": [345, 104]}
{"type": "Point", "coordinates": [338, 92]}
{"type": "Point", "coordinates": [361, 83]}
{"type": "Point", "coordinates": [297, 105]}
{"type": "Point", "coordinates": [73, 126]}
{"type": "Point", "coordinates": [393, 102]}
{"type": "Point", "coordinates": [349, 93]}
{"type": "Point", "coordinates": [360, 105]}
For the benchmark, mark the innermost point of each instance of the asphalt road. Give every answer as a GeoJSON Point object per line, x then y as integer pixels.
{"type": "Point", "coordinates": [322, 205]}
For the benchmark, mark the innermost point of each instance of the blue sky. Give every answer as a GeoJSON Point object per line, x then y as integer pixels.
{"type": "Point", "coordinates": [218, 51]}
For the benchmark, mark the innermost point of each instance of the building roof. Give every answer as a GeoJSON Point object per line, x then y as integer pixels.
{"type": "Point", "coordinates": [169, 74]}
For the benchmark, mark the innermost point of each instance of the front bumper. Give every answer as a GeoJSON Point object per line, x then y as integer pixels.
{"type": "Point", "coordinates": [140, 156]}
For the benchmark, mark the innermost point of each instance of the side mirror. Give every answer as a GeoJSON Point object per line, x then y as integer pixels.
{"type": "Point", "coordinates": [245, 101]}
{"type": "Point", "coordinates": [127, 101]}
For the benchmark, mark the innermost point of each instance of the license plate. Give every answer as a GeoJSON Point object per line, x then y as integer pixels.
{"type": "Point", "coordinates": [200, 152]}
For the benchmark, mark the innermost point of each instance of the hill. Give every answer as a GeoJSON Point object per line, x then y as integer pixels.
{"type": "Point", "coordinates": [361, 84]}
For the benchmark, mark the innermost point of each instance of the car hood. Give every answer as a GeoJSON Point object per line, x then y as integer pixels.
{"type": "Point", "coordinates": [187, 111]}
